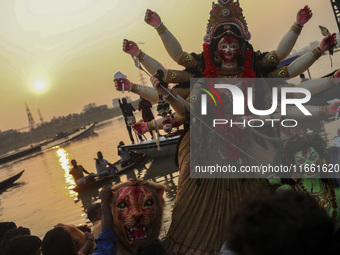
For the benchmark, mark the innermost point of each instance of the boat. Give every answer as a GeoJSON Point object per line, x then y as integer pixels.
{"type": "Point", "coordinates": [37, 148]}
{"type": "Point", "coordinates": [167, 146]}
{"type": "Point", "coordinates": [63, 137]}
{"type": "Point", "coordinates": [137, 159]}
{"type": "Point", "coordinates": [23, 152]}
{"type": "Point", "coordinates": [9, 181]}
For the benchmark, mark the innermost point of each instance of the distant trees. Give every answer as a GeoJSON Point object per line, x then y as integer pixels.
{"type": "Point", "coordinates": [14, 139]}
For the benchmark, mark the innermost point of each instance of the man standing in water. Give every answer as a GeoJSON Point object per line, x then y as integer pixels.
{"type": "Point", "coordinates": [129, 118]}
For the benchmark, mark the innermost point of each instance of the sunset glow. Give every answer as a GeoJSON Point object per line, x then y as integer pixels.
{"type": "Point", "coordinates": [40, 86]}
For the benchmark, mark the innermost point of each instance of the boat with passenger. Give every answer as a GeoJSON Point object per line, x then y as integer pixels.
{"type": "Point", "coordinates": [136, 159]}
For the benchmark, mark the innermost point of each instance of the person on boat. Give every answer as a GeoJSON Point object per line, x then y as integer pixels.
{"type": "Point", "coordinates": [103, 167]}
{"type": "Point", "coordinates": [129, 118]}
{"type": "Point", "coordinates": [145, 106]}
{"type": "Point", "coordinates": [190, 231]}
{"type": "Point", "coordinates": [308, 151]}
{"type": "Point", "coordinates": [77, 171]}
{"type": "Point", "coordinates": [303, 77]}
{"type": "Point", "coordinates": [124, 154]}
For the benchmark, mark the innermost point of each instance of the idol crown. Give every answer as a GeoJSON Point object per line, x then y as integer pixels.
{"type": "Point", "coordinates": [226, 12]}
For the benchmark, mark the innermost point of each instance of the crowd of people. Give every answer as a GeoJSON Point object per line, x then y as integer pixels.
{"type": "Point", "coordinates": [273, 223]}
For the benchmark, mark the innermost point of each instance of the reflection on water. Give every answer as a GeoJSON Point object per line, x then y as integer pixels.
{"type": "Point", "coordinates": [66, 166]}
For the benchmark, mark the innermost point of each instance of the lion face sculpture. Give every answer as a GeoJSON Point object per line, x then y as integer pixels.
{"type": "Point", "coordinates": [137, 207]}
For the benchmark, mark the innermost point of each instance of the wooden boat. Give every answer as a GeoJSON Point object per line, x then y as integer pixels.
{"type": "Point", "coordinates": [167, 146]}
{"type": "Point", "coordinates": [60, 139]}
{"type": "Point", "coordinates": [139, 158]}
{"type": "Point", "coordinates": [9, 181]}
{"type": "Point", "coordinates": [20, 153]}
{"type": "Point", "coordinates": [34, 149]}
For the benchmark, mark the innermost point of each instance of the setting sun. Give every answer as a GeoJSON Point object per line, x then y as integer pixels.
{"type": "Point", "coordinates": [39, 86]}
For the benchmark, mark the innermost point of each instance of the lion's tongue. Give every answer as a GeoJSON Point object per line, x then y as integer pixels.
{"type": "Point", "coordinates": [138, 233]}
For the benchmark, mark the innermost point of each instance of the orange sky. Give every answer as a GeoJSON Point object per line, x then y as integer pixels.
{"type": "Point", "coordinates": [75, 47]}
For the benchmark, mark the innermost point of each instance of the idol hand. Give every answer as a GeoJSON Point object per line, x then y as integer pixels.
{"type": "Point", "coordinates": [130, 47]}
{"type": "Point", "coordinates": [157, 85]}
{"type": "Point", "coordinates": [304, 15]}
{"type": "Point", "coordinates": [328, 42]}
{"type": "Point", "coordinates": [152, 18]}
{"type": "Point", "coordinates": [333, 108]}
{"type": "Point", "coordinates": [140, 127]}
{"type": "Point", "coordinates": [120, 82]}
{"type": "Point", "coordinates": [336, 75]}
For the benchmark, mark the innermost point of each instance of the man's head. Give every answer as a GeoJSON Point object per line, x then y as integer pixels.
{"type": "Point", "coordinates": [4, 227]}
{"type": "Point", "coordinates": [281, 223]}
{"type": "Point", "coordinates": [13, 232]}
{"type": "Point", "coordinates": [100, 155]}
{"type": "Point", "coordinates": [73, 162]}
{"type": "Point", "coordinates": [94, 213]}
{"type": "Point", "coordinates": [58, 241]}
{"type": "Point", "coordinates": [23, 244]}
{"type": "Point", "coordinates": [124, 101]}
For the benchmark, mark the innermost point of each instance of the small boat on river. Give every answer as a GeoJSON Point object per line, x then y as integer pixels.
{"type": "Point", "coordinates": [9, 181]}
{"type": "Point", "coordinates": [38, 148]}
{"type": "Point", "coordinates": [136, 160]}
{"type": "Point", "coordinates": [66, 137]}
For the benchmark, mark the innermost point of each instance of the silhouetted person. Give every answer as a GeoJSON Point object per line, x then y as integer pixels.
{"type": "Point", "coordinates": [124, 154]}
{"type": "Point", "coordinates": [94, 213]}
{"type": "Point", "coordinates": [4, 227]}
{"type": "Point", "coordinates": [129, 118]}
{"type": "Point", "coordinates": [23, 245]}
{"type": "Point", "coordinates": [281, 223]}
{"type": "Point", "coordinates": [145, 106]}
{"type": "Point", "coordinates": [78, 171]}
{"type": "Point", "coordinates": [57, 241]}
{"type": "Point", "coordinates": [303, 77]}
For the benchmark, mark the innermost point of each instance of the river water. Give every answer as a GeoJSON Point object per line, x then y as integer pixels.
{"type": "Point", "coordinates": [42, 197]}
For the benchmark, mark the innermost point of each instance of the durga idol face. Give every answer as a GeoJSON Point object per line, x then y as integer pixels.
{"type": "Point", "coordinates": [228, 48]}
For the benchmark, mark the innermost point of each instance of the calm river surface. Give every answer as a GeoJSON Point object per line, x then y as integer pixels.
{"type": "Point", "coordinates": [42, 196]}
